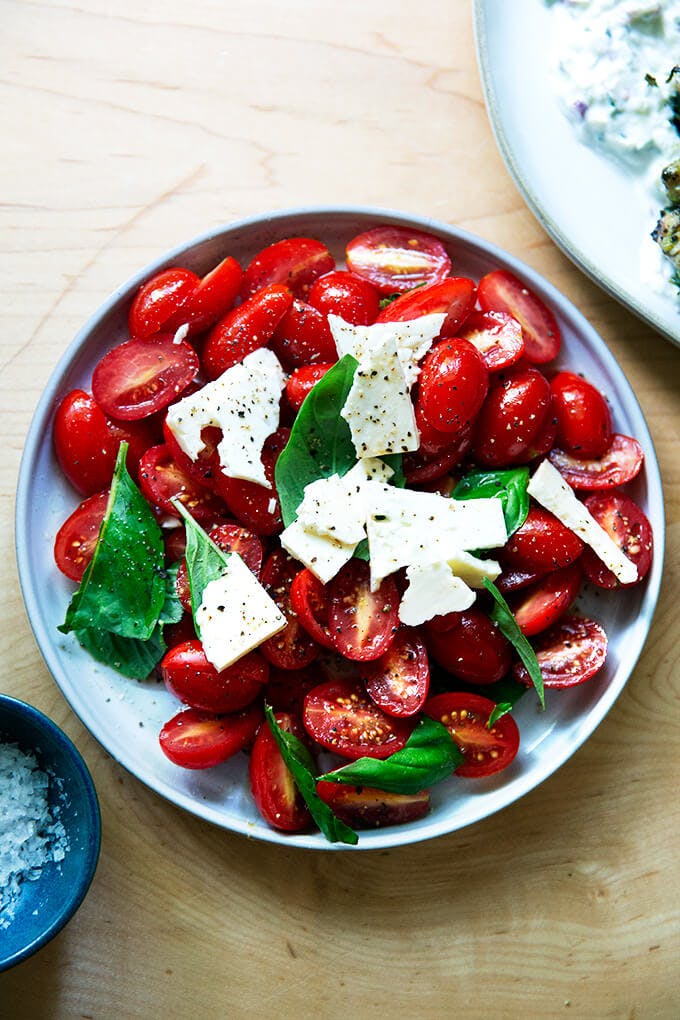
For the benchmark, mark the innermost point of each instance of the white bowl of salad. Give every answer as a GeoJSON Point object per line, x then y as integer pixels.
{"type": "Point", "coordinates": [339, 528]}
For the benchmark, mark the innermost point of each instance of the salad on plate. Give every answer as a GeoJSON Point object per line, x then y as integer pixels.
{"type": "Point", "coordinates": [345, 514]}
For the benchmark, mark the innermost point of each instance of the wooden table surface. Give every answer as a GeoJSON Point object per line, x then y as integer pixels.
{"type": "Point", "coordinates": [124, 134]}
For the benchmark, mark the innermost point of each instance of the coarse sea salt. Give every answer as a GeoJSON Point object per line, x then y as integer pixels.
{"type": "Point", "coordinates": [30, 836]}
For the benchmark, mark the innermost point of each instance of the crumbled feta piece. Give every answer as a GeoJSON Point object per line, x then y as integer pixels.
{"type": "Point", "coordinates": [548, 487]}
{"type": "Point", "coordinates": [244, 403]}
{"type": "Point", "coordinates": [433, 590]}
{"type": "Point", "coordinates": [323, 555]}
{"type": "Point", "coordinates": [412, 339]}
{"type": "Point", "coordinates": [473, 569]}
{"type": "Point", "coordinates": [235, 615]}
{"type": "Point", "coordinates": [335, 507]}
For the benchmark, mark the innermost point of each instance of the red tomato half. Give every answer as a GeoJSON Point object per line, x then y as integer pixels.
{"type": "Point", "coordinates": [348, 296]}
{"type": "Point", "coordinates": [274, 791]}
{"type": "Point", "coordinates": [362, 807]}
{"type": "Point", "coordinates": [541, 544]}
{"type": "Point", "coordinates": [292, 647]}
{"type": "Point", "coordinates": [455, 296]}
{"type": "Point", "coordinates": [159, 298]}
{"type": "Point", "coordinates": [161, 479]}
{"type": "Point", "coordinates": [584, 422]}
{"type": "Point", "coordinates": [516, 422]}
{"type": "Point", "coordinates": [341, 717]}
{"type": "Point", "coordinates": [310, 602]}
{"type": "Point", "coordinates": [244, 329]}
{"type": "Point", "coordinates": [502, 291]}
{"type": "Point", "coordinates": [201, 470]}
{"type": "Point", "coordinates": [253, 505]}
{"type": "Point", "coordinates": [620, 464]}
{"type": "Point", "coordinates": [190, 677]}
{"type": "Point", "coordinates": [396, 259]}
{"type": "Point", "coordinates": [199, 740]}
{"type": "Point", "coordinates": [303, 337]}
{"type": "Point", "coordinates": [568, 654]}
{"type": "Point", "coordinates": [399, 680]}
{"type": "Point", "coordinates": [542, 605]}
{"type": "Point", "coordinates": [466, 717]}
{"type": "Point", "coordinates": [287, 688]}
{"type": "Point", "coordinates": [497, 336]}
{"type": "Point", "coordinates": [212, 298]}
{"type": "Point", "coordinates": [86, 442]}
{"type": "Point", "coordinates": [303, 380]}
{"type": "Point", "coordinates": [627, 525]}
{"type": "Point", "coordinates": [468, 645]}
{"type": "Point", "coordinates": [453, 384]}
{"type": "Point", "coordinates": [422, 468]}
{"type": "Point", "coordinates": [295, 262]}
{"type": "Point", "coordinates": [140, 377]}
{"type": "Point", "coordinates": [77, 537]}
{"type": "Point", "coordinates": [361, 623]}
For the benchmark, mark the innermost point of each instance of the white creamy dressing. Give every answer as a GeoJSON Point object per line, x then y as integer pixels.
{"type": "Point", "coordinates": [609, 55]}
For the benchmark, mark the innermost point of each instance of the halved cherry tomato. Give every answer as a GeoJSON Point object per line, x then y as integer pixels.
{"type": "Point", "coordinates": [159, 298]}
{"type": "Point", "coordinates": [304, 337]}
{"type": "Point", "coordinates": [453, 384]}
{"type": "Point", "coordinates": [286, 688]}
{"type": "Point", "coordinates": [348, 296]}
{"type": "Point", "coordinates": [542, 543]}
{"type": "Point", "coordinates": [292, 647]}
{"type": "Point", "coordinates": [620, 464]}
{"type": "Point", "coordinates": [86, 442]}
{"type": "Point", "coordinates": [627, 525]}
{"type": "Point", "coordinates": [310, 602]}
{"type": "Point", "coordinates": [584, 421]}
{"type": "Point", "coordinates": [399, 680]}
{"type": "Point", "coordinates": [466, 716]}
{"type": "Point", "coordinates": [202, 470]}
{"type": "Point", "coordinates": [180, 632]}
{"type": "Point", "coordinates": [140, 377]}
{"type": "Point", "coordinates": [161, 479]}
{"type": "Point", "coordinates": [195, 739]}
{"type": "Point", "coordinates": [396, 259]}
{"type": "Point", "coordinates": [433, 442]}
{"type": "Point", "coordinates": [421, 468]}
{"type": "Point", "coordinates": [212, 298]}
{"type": "Point", "coordinates": [568, 654]}
{"type": "Point", "coordinates": [244, 329]}
{"type": "Point", "coordinates": [77, 537]}
{"type": "Point", "coordinates": [455, 296]}
{"type": "Point", "coordinates": [469, 646]}
{"type": "Point", "coordinates": [302, 382]}
{"type": "Point", "coordinates": [502, 291]}
{"type": "Point", "coordinates": [515, 580]}
{"type": "Point", "coordinates": [497, 336]}
{"type": "Point", "coordinates": [363, 807]}
{"type": "Point", "coordinates": [361, 623]}
{"type": "Point", "coordinates": [341, 717]}
{"type": "Point", "coordinates": [540, 606]}
{"type": "Point", "coordinates": [253, 505]}
{"type": "Point", "coordinates": [190, 677]}
{"type": "Point", "coordinates": [175, 540]}
{"type": "Point", "coordinates": [295, 262]}
{"type": "Point", "coordinates": [516, 422]}
{"type": "Point", "coordinates": [276, 796]}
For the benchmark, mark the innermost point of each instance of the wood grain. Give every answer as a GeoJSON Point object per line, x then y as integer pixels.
{"type": "Point", "coordinates": [126, 131]}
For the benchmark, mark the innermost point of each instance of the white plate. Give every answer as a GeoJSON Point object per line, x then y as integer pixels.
{"type": "Point", "coordinates": [597, 212]}
{"type": "Point", "coordinates": [125, 716]}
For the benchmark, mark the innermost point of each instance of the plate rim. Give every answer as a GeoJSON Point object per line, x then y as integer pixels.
{"type": "Point", "coordinates": [39, 429]}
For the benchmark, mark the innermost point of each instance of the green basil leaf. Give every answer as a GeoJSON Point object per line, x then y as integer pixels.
{"type": "Point", "coordinates": [205, 560]}
{"type": "Point", "coordinates": [129, 656]}
{"type": "Point", "coordinates": [429, 756]}
{"type": "Point", "coordinates": [509, 485]}
{"type": "Point", "coordinates": [173, 610]}
{"type": "Point", "coordinates": [502, 708]}
{"type": "Point", "coordinates": [501, 614]}
{"type": "Point", "coordinates": [123, 588]}
{"type": "Point", "coordinates": [301, 766]}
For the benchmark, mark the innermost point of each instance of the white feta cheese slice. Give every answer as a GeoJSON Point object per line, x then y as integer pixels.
{"type": "Point", "coordinates": [378, 407]}
{"type": "Point", "coordinates": [433, 590]}
{"type": "Point", "coordinates": [244, 403]}
{"type": "Point", "coordinates": [412, 339]}
{"type": "Point", "coordinates": [548, 487]}
{"type": "Point", "coordinates": [473, 569]}
{"type": "Point", "coordinates": [236, 615]}
{"type": "Point", "coordinates": [322, 555]}
{"type": "Point", "coordinates": [406, 527]}
{"type": "Point", "coordinates": [335, 507]}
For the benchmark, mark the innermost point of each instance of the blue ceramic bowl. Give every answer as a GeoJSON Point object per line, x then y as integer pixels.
{"type": "Point", "coordinates": [48, 903]}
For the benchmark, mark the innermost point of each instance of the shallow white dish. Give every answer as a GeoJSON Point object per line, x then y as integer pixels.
{"type": "Point", "coordinates": [600, 214]}
{"type": "Point", "coordinates": [125, 716]}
